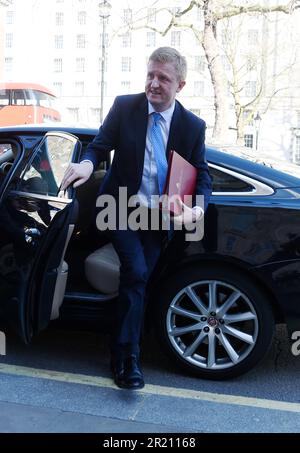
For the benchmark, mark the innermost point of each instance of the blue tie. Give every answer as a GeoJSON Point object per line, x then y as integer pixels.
{"type": "Point", "coordinates": [159, 151]}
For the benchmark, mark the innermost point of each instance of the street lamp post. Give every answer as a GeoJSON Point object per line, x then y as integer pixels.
{"type": "Point", "coordinates": [257, 120]}
{"type": "Point", "coordinates": [104, 13]}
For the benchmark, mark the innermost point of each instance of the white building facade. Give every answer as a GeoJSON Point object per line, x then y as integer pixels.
{"type": "Point", "coordinates": [59, 44]}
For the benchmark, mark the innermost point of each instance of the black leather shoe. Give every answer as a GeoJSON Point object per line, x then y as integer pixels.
{"type": "Point", "coordinates": [127, 373]}
{"type": "Point", "coordinates": [132, 376]}
{"type": "Point", "coordinates": [117, 369]}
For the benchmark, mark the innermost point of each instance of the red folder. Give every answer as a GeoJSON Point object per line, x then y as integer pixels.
{"type": "Point", "coordinates": [181, 181]}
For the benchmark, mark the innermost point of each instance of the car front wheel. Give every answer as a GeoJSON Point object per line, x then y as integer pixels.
{"type": "Point", "coordinates": [214, 322]}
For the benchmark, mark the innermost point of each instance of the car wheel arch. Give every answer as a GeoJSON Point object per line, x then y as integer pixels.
{"type": "Point", "coordinates": [202, 261]}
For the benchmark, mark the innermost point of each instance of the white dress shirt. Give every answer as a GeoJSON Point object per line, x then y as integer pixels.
{"type": "Point", "coordinates": [149, 184]}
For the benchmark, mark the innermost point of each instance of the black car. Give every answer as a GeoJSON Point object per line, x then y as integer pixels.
{"type": "Point", "coordinates": [213, 302]}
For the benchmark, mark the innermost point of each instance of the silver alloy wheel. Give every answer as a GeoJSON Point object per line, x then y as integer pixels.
{"type": "Point", "coordinates": [212, 324]}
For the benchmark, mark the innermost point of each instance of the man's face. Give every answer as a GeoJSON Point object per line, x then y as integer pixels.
{"type": "Point", "coordinates": [162, 84]}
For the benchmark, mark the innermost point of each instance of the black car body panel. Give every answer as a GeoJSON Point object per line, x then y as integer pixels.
{"type": "Point", "coordinates": [251, 228]}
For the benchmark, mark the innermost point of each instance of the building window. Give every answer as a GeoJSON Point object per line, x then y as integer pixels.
{"type": "Point", "coordinates": [105, 39]}
{"type": "Point", "coordinates": [200, 63]}
{"type": "Point", "coordinates": [248, 140]}
{"type": "Point", "coordinates": [59, 19]}
{"type": "Point", "coordinates": [251, 63]}
{"type": "Point", "coordinates": [74, 113]}
{"type": "Point", "coordinates": [126, 40]}
{"type": "Point", "coordinates": [252, 37]}
{"type": "Point", "coordinates": [58, 64]}
{"type": "Point", "coordinates": [127, 15]}
{"type": "Point", "coordinates": [175, 38]}
{"type": "Point", "coordinates": [104, 88]}
{"type": "Point", "coordinates": [126, 64]}
{"type": "Point", "coordinates": [151, 39]}
{"type": "Point", "coordinates": [8, 64]}
{"type": "Point", "coordinates": [100, 65]}
{"type": "Point", "coordinates": [125, 86]}
{"type": "Point", "coordinates": [151, 15]}
{"type": "Point", "coordinates": [199, 88]}
{"type": "Point", "coordinates": [80, 64]}
{"type": "Point", "coordinates": [58, 41]}
{"type": "Point", "coordinates": [297, 150]}
{"type": "Point", "coordinates": [9, 40]}
{"type": "Point", "coordinates": [9, 17]}
{"type": "Point", "coordinates": [81, 17]}
{"type": "Point", "coordinates": [80, 44]}
{"type": "Point", "coordinates": [250, 89]}
{"type": "Point", "coordinates": [79, 88]}
{"type": "Point", "coordinates": [57, 88]}
{"type": "Point", "coordinates": [298, 118]}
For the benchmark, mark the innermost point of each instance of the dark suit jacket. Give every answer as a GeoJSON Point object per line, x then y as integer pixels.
{"type": "Point", "coordinates": [124, 130]}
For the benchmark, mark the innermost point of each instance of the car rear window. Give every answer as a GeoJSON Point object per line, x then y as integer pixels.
{"type": "Point", "coordinates": [223, 182]}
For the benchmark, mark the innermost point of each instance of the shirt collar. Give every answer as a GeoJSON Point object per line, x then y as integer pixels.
{"type": "Point", "coordinates": [166, 114]}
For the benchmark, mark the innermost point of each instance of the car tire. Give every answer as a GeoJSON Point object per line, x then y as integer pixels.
{"type": "Point", "coordinates": [220, 342]}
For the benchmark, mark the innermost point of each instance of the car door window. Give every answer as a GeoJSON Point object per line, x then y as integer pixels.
{"type": "Point", "coordinates": [44, 173]}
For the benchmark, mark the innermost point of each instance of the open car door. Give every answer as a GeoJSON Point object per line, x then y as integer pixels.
{"type": "Point", "coordinates": [36, 223]}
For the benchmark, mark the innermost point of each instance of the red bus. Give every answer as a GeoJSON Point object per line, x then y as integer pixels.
{"type": "Point", "coordinates": [26, 103]}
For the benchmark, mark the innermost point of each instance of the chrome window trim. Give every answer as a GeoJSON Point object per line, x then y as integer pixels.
{"type": "Point", "coordinates": [37, 196]}
{"type": "Point", "coordinates": [258, 188]}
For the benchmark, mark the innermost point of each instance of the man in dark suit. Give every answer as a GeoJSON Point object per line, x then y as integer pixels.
{"type": "Point", "coordinates": [142, 129]}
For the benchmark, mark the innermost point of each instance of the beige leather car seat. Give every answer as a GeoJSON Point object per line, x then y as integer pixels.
{"type": "Point", "coordinates": [102, 269]}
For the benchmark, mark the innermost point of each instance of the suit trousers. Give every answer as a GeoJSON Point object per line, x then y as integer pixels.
{"type": "Point", "coordinates": [138, 252]}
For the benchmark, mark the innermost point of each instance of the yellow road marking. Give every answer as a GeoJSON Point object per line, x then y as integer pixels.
{"type": "Point", "coordinates": [150, 389]}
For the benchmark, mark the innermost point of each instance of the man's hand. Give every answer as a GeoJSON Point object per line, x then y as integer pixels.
{"type": "Point", "coordinates": [77, 172]}
{"type": "Point", "coordinates": [189, 215]}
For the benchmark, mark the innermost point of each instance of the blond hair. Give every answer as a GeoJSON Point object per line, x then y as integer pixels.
{"type": "Point", "coordinates": [171, 55]}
